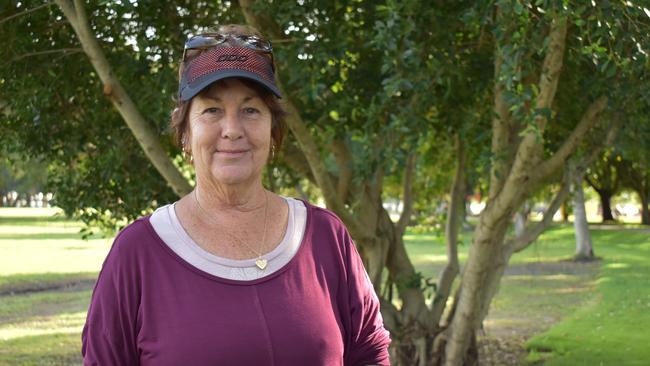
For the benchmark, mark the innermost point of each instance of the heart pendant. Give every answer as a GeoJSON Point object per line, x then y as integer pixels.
{"type": "Point", "coordinates": [261, 263]}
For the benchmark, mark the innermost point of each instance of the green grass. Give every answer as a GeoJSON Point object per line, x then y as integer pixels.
{"type": "Point", "coordinates": [46, 277]}
{"type": "Point", "coordinates": [614, 329]}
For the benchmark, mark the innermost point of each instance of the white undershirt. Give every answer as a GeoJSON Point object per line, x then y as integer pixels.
{"type": "Point", "coordinates": [168, 227]}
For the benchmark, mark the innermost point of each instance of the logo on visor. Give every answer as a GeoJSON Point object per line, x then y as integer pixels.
{"type": "Point", "coordinates": [240, 58]}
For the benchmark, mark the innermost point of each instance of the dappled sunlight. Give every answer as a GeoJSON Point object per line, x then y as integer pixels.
{"type": "Point", "coordinates": [641, 246]}
{"type": "Point", "coordinates": [541, 277]}
{"type": "Point", "coordinates": [42, 325]}
{"type": "Point", "coordinates": [9, 232]}
{"type": "Point", "coordinates": [570, 290]}
{"type": "Point", "coordinates": [6, 212]}
{"type": "Point", "coordinates": [52, 255]}
{"type": "Point", "coordinates": [512, 323]}
{"type": "Point", "coordinates": [617, 265]}
{"type": "Point", "coordinates": [428, 258]}
{"type": "Point", "coordinates": [602, 280]}
{"type": "Point", "coordinates": [421, 238]}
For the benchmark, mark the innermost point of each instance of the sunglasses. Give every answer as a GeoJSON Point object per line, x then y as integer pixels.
{"type": "Point", "coordinates": [198, 44]}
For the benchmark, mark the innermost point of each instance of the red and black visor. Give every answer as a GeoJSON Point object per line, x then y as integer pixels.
{"type": "Point", "coordinates": [226, 62]}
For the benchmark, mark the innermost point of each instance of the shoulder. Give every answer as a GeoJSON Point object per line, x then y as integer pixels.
{"type": "Point", "coordinates": [327, 231]}
{"type": "Point", "coordinates": [323, 218]}
{"type": "Point", "coordinates": [133, 239]}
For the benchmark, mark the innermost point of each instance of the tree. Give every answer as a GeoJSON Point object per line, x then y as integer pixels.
{"type": "Point", "coordinates": [59, 112]}
{"type": "Point", "coordinates": [524, 95]}
{"type": "Point", "coordinates": [604, 179]}
{"type": "Point", "coordinates": [636, 175]}
{"type": "Point", "coordinates": [632, 152]}
{"type": "Point", "coordinates": [364, 95]}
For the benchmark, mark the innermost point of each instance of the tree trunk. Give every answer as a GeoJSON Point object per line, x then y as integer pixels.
{"type": "Point", "coordinates": [481, 276]}
{"type": "Point", "coordinates": [565, 212]}
{"type": "Point", "coordinates": [606, 204]}
{"type": "Point", "coordinates": [584, 248]}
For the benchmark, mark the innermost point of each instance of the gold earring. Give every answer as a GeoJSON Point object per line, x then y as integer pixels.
{"type": "Point", "coordinates": [272, 151]}
{"type": "Point", "coordinates": [187, 154]}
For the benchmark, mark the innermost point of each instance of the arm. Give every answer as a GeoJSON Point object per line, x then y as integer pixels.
{"type": "Point", "coordinates": [109, 335]}
{"type": "Point", "coordinates": [369, 339]}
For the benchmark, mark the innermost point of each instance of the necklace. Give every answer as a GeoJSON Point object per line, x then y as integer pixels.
{"type": "Point", "coordinates": [260, 262]}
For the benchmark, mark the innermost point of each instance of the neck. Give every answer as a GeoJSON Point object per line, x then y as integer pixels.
{"type": "Point", "coordinates": [243, 198]}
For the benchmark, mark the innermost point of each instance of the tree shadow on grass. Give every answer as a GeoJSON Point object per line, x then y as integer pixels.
{"type": "Point", "coordinates": [31, 220]}
{"type": "Point", "coordinates": [41, 350]}
{"type": "Point", "coordinates": [38, 282]}
{"type": "Point", "coordinates": [41, 236]}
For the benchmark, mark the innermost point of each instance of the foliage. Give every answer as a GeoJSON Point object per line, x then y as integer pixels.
{"type": "Point", "coordinates": [380, 80]}
{"type": "Point", "coordinates": [23, 176]}
{"type": "Point", "coordinates": [55, 109]}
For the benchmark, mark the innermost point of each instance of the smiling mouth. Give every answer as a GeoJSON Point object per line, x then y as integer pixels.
{"type": "Point", "coordinates": [232, 152]}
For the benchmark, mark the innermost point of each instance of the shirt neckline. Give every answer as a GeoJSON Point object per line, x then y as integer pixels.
{"type": "Point", "coordinates": [297, 248]}
{"type": "Point", "coordinates": [229, 262]}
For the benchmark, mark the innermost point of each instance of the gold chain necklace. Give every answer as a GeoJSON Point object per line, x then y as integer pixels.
{"type": "Point", "coordinates": [260, 262]}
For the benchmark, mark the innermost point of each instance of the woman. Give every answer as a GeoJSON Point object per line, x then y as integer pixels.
{"type": "Point", "coordinates": [233, 274]}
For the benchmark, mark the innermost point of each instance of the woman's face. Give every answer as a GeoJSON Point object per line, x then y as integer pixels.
{"type": "Point", "coordinates": [229, 133]}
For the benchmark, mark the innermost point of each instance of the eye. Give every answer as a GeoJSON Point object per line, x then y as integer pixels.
{"type": "Point", "coordinates": [249, 111]}
{"type": "Point", "coordinates": [211, 110]}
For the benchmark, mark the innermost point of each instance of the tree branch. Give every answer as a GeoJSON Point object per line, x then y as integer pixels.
{"type": "Point", "coordinates": [451, 270]}
{"type": "Point", "coordinates": [531, 234]}
{"type": "Point", "coordinates": [407, 196]}
{"type": "Point", "coordinates": [267, 25]}
{"type": "Point", "coordinates": [343, 162]}
{"type": "Point", "coordinates": [25, 12]}
{"type": "Point", "coordinates": [46, 52]}
{"type": "Point", "coordinates": [502, 200]}
{"type": "Point", "coordinates": [551, 69]}
{"type": "Point", "coordinates": [500, 129]}
{"type": "Point", "coordinates": [263, 22]}
{"type": "Point", "coordinates": [588, 120]}
{"type": "Point", "coordinates": [592, 184]}
{"type": "Point", "coordinates": [146, 135]}
{"type": "Point", "coordinates": [295, 159]}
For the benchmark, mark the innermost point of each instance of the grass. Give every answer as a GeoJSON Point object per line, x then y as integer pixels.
{"type": "Point", "coordinates": [47, 271]}
{"type": "Point", "coordinates": [46, 277]}
{"type": "Point", "coordinates": [613, 330]}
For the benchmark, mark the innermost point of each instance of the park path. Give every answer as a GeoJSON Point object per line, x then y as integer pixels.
{"type": "Point", "coordinates": [513, 320]}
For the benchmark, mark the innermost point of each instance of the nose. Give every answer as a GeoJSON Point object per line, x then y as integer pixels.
{"type": "Point", "coordinates": [232, 128]}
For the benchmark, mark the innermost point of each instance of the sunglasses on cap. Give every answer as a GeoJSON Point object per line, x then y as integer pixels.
{"type": "Point", "coordinates": [201, 42]}
{"type": "Point", "coordinates": [240, 56]}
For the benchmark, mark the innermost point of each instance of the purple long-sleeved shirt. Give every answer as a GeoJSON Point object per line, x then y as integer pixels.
{"type": "Point", "coordinates": [150, 307]}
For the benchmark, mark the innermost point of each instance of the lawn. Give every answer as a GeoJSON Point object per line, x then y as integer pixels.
{"type": "Point", "coordinates": [614, 329]}
{"type": "Point", "coordinates": [592, 309]}
{"type": "Point", "coordinates": [46, 277]}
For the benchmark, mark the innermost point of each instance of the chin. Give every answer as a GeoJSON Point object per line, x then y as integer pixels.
{"type": "Point", "coordinates": [232, 175]}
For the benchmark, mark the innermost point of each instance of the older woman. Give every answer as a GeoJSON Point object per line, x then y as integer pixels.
{"type": "Point", "coordinates": [233, 274]}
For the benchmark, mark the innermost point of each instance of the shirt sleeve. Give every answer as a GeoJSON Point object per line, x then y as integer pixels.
{"type": "Point", "coordinates": [109, 336]}
{"type": "Point", "coordinates": [369, 339]}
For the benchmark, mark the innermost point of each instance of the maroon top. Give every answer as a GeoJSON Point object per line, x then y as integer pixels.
{"type": "Point", "coordinates": [150, 307]}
